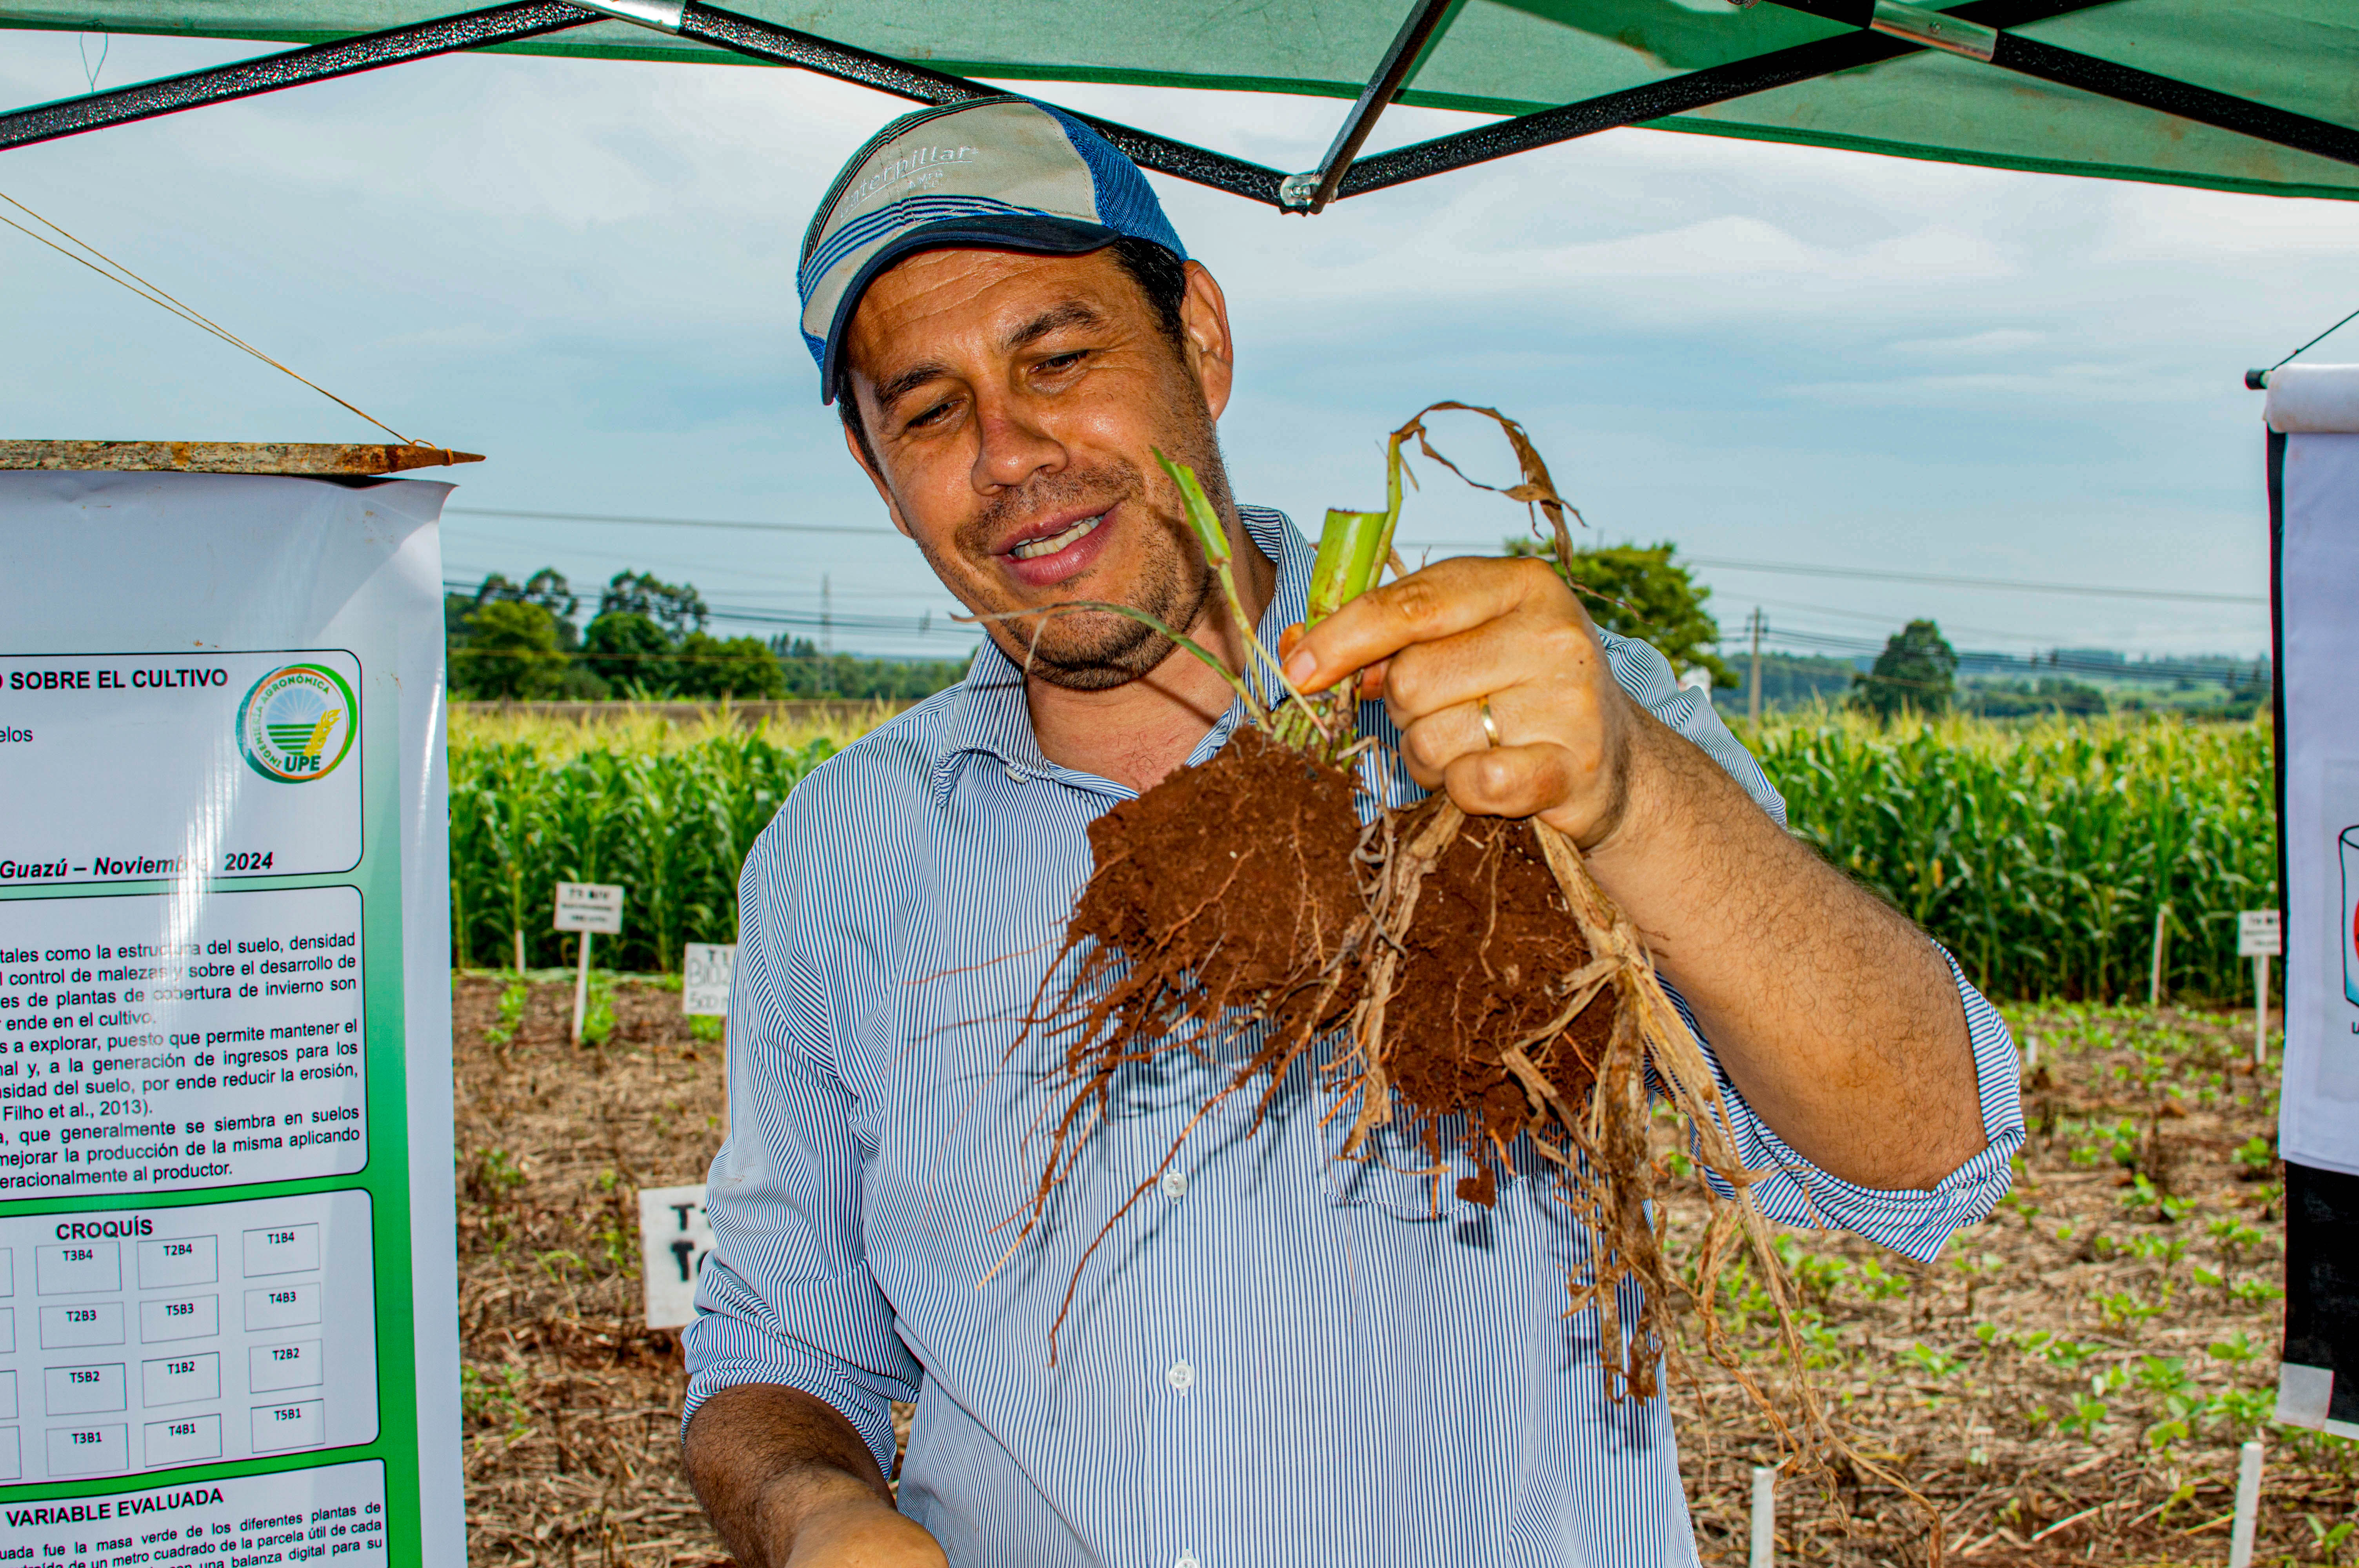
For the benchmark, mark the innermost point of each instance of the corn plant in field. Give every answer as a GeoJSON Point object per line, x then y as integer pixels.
{"type": "Point", "coordinates": [2040, 857]}
{"type": "Point", "coordinates": [671, 817]}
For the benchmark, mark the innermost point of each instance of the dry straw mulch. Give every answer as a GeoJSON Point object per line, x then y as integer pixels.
{"type": "Point", "coordinates": [2110, 1440]}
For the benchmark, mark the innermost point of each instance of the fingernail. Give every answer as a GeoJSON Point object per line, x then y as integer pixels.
{"type": "Point", "coordinates": [1300, 667]}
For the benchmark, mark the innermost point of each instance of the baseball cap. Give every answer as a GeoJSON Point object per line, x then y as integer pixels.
{"type": "Point", "coordinates": [1004, 174]}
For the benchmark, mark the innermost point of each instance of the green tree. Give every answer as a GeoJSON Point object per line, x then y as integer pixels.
{"type": "Point", "coordinates": [1917, 672]}
{"type": "Point", "coordinates": [1639, 591]}
{"type": "Point", "coordinates": [730, 666]}
{"type": "Point", "coordinates": [677, 607]}
{"type": "Point", "coordinates": [629, 650]}
{"type": "Point", "coordinates": [510, 652]}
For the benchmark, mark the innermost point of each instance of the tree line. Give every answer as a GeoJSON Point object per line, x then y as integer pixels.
{"type": "Point", "coordinates": [647, 640]}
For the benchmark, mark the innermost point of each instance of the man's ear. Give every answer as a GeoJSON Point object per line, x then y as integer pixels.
{"type": "Point", "coordinates": [884, 492]}
{"type": "Point", "coordinates": [1205, 326]}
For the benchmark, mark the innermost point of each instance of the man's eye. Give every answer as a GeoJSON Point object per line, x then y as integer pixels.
{"type": "Point", "coordinates": [1064, 361]}
{"type": "Point", "coordinates": [930, 416]}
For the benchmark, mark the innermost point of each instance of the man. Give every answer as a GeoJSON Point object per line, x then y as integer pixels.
{"type": "Point", "coordinates": [1277, 1358]}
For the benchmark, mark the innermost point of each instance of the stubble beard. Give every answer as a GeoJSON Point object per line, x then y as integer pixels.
{"type": "Point", "coordinates": [1094, 650]}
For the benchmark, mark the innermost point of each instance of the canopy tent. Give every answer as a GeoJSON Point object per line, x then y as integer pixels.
{"type": "Point", "coordinates": [2247, 95]}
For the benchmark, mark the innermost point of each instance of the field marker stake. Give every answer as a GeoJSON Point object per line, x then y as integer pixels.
{"type": "Point", "coordinates": [1764, 1516]}
{"type": "Point", "coordinates": [582, 989]}
{"type": "Point", "coordinates": [2248, 1502]}
{"type": "Point", "coordinates": [2154, 980]}
{"type": "Point", "coordinates": [2260, 1010]}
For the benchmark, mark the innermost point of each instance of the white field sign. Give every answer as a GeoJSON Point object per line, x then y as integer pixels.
{"type": "Point", "coordinates": [2260, 937]}
{"type": "Point", "coordinates": [674, 1241]}
{"type": "Point", "coordinates": [588, 907]}
{"type": "Point", "coordinates": [706, 970]}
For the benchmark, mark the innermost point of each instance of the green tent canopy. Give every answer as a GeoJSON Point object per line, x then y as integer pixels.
{"type": "Point", "coordinates": [2247, 95]}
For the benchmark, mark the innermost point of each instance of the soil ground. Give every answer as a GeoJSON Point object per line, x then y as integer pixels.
{"type": "Point", "coordinates": [2070, 1381]}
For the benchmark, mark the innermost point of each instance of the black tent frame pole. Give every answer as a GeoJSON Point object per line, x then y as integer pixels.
{"type": "Point", "coordinates": [1308, 193]}
{"type": "Point", "coordinates": [1874, 40]}
{"type": "Point", "coordinates": [763, 40]}
{"type": "Point", "coordinates": [318, 62]}
{"type": "Point", "coordinates": [2098, 77]}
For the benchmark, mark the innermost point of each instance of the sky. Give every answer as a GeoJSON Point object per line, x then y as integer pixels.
{"type": "Point", "coordinates": [1826, 362]}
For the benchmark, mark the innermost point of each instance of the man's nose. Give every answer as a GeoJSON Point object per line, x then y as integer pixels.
{"type": "Point", "coordinates": [1012, 446]}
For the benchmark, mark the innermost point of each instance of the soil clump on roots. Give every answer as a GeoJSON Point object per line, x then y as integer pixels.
{"type": "Point", "coordinates": [1488, 962]}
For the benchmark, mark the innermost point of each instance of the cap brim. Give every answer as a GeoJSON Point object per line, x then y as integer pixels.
{"type": "Point", "coordinates": [1040, 234]}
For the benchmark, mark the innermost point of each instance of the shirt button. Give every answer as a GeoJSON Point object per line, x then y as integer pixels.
{"type": "Point", "coordinates": [1182, 1377]}
{"type": "Point", "coordinates": [1187, 1560]}
{"type": "Point", "coordinates": [1175, 1184]}
{"type": "Point", "coordinates": [1016, 774]}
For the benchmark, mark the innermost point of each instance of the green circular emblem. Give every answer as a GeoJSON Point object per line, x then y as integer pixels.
{"type": "Point", "coordinates": [298, 723]}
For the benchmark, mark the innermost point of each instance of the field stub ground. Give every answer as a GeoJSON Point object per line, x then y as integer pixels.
{"type": "Point", "coordinates": [2050, 1382]}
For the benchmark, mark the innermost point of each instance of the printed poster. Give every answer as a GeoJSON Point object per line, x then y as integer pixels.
{"type": "Point", "coordinates": [227, 1260]}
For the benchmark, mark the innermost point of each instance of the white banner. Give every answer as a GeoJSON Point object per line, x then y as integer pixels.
{"type": "Point", "coordinates": [226, 1234]}
{"type": "Point", "coordinates": [2317, 587]}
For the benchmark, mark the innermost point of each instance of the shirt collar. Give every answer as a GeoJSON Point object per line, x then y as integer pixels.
{"type": "Point", "coordinates": [990, 716]}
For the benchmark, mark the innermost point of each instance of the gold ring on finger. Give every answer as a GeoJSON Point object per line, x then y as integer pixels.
{"type": "Point", "coordinates": [1490, 725]}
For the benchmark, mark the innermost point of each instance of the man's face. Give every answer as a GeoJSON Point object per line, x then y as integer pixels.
{"type": "Point", "coordinates": [1012, 402]}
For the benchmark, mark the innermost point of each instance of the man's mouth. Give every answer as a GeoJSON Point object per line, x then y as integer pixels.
{"type": "Point", "coordinates": [1032, 549]}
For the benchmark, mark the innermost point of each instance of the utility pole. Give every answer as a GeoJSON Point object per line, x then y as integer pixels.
{"type": "Point", "coordinates": [1759, 623]}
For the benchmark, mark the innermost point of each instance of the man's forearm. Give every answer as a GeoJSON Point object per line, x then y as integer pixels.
{"type": "Point", "coordinates": [1832, 1013]}
{"type": "Point", "coordinates": [788, 1482]}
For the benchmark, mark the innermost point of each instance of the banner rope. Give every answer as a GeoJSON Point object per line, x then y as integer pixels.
{"type": "Point", "coordinates": [115, 272]}
{"type": "Point", "coordinates": [2311, 344]}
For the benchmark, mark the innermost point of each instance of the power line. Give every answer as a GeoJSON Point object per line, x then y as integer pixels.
{"type": "Point", "coordinates": [2008, 584]}
{"type": "Point", "coordinates": [1722, 562]}
{"type": "Point", "coordinates": [852, 528]}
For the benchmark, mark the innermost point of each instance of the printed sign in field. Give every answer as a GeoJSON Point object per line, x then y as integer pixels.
{"type": "Point", "coordinates": [2259, 934]}
{"type": "Point", "coordinates": [590, 906]}
{"type": "Point", "coordinates": [706, 972]}
{"type": "Point", "coordinates": [675, 1238]}
{"type": "Point", "coordinates": [277, 733]}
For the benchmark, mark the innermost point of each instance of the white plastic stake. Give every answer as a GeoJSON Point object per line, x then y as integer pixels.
{"type": "Point", "coordinates": [2261, 1011]}
{"type": "Point", "coordinates": [2031, 1051]}
{"type": "Point", "coordinates": [1764, 1516]}
{"type": "Point", "coordinates": [2248, 1507]}
{"type": "Point", "coordinates": [2154, 979]}
{"type": "Point", "coordinates": [582, 989]}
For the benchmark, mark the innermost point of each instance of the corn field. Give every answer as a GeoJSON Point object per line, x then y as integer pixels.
{"type": "Point", "coordinates": [2037, 854]}
{"type": "Point", "coordinates": [667, 811]}
{"type": "Point", "coordinates": [2040, 856]}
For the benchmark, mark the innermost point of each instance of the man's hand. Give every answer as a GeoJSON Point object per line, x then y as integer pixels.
{"type": "Point", "coordinates": [1835, 1016]}
{"type": "Point", "coordinates": [1439, 643]}
{"type": "Point", "coordinates": [788, 1483]}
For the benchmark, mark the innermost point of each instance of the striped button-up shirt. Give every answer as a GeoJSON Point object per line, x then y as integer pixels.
{"type": "Point", "coordinates": [1276, 1358]}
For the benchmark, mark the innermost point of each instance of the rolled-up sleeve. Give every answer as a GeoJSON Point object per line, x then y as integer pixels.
{"type": "Point", "coordinates": [787, 1296]}
{"type": "Point", "coordinates": [1792, 1190]}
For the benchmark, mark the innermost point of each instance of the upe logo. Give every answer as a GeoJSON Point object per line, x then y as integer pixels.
{"type": "Point", "coordinates": [298, 723]}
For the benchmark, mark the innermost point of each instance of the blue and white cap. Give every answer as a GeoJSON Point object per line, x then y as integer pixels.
{"type": "Point", "coordinates": [1004, 174]}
